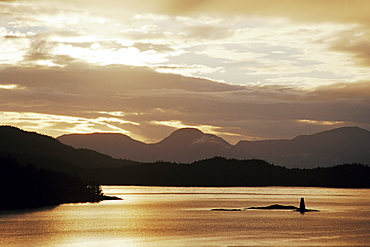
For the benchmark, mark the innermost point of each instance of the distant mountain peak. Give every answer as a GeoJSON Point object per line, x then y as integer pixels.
{"type": "Point", "coordinates": [43, 150]}
{"type": "Point", "coordinates": [347, 129]}
{"type": "Point", "coordinates": [338, 132]}
{"type": "Point", "coordinates": [186, 132]}
{"type": "Point", "coordinates": [326, 148]}
{"type": "Point", "coordinates": [331, 147]}
{"type": "Point", "coordinates": [184, 135]}
{"type": "Point", "coordinates": [193, 136]}
{"type": "Point", "coordinates": [107, 135]}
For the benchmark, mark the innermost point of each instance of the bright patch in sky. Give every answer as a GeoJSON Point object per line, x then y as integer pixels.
{"type": "Point", "coordinates": [320, 122]}
{"type": "Point", "coordinates": [180, 125]}
{"type": "Point", "coordinates": [60, 124]}
{"type": "Point", "coordinates": [8, 86]}
{"type": "Point", "coordinates": [234, 49]}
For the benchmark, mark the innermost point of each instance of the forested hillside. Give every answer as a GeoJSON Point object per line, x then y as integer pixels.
{"type": "Point", "coordinates": [47, 153]}
{"type": "Point", "coordinates": [220, 171]}
{"type": "Point", "coordinates": [28, 186]}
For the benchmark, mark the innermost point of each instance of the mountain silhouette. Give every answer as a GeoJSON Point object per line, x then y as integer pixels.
{"type": "Point", "coordinates": [113, 144]}
{"type": "Point", "coordinates": [332, 147]}
{"type": "Point", "coordinates": [337, 146]}
{"type": "Point", "coordinates": [183, 145]}
{"type": "Point", "coordinates": [45, 151]}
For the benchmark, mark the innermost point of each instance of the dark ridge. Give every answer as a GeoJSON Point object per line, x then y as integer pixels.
{"type": "Point", "coordinates": [49, 153]}
{"type": "Point", "coordinates": [327, 148]}
{"type": "Point", "coordinates": [183, 145]}
{"type": "Point", "coordinates": [45, 151]}
{"type": "Point", "coordinates": [275, 206]}
{"type": "Point", "coordinates": [231, 172]}
{"type": "Point", "coordinates": [30, 187]}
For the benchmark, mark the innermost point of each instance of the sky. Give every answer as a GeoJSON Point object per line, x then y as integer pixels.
{"type": "Point", "coordinates": [240, 69]}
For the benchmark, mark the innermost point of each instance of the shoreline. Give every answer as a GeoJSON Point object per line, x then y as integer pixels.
{"type": "Point", "coordinates": [86, 199]}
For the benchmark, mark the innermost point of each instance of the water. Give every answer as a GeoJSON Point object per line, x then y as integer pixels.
{"type": "Point", "coordinates": [170, 216]}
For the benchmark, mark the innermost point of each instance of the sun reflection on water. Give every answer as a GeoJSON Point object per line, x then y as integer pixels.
{"type": "Point", "coordinates": [168, 216]}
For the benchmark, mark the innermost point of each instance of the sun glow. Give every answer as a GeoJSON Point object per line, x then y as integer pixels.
{"type": "Point", "coordinates": [10, 86]}
{"type": "Point", "coordinates": [178, 125]}
{"type": "Point", "coordinates": [315, 122]}
{"type": "Point", "coordinates": [97, 54]}
{"type": "Point", "coordinates": [55, 125]}
{"type": "Point", "coordinates": [207, 129]}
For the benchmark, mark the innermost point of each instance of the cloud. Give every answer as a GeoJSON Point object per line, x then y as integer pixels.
{"type": "Point", "coordinates": [306, 11]}
{"type": "Point", "coordinates": [9, 86]}
{"type": "Point", "coordinates": [188, 70]}
{"type": "Point", "coordinates": [241, 68]}
{"type": "Point", "coordinates": [358, 91]}
{"type": "Point", "coordinates": [319, 122]}
{"type": "Point", "coordinates": [339, 11]}
{"type": "Point", "coordinates": [147, 100]}
{"type": "Point", "coordinates": [56, 125]}
{"type": "Point", "coordinates": [207, 32]}
{"type": "Point", "coordinates": [356, 43]}
{"type": "Point", "coordinates": [39, 50]}
{"type": "Point", "coordinates": [240, 42]}
{"type": "Point", "coordinates": [153, 47]}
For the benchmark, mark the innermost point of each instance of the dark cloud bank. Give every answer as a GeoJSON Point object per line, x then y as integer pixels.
{"type": "Point", "coordinates": [145, 96]}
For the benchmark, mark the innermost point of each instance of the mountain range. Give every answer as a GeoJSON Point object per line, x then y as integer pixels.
{"type": "Point", "coordinates": [183, 145]}
{"type": "Point", "coordinates": [44, 152]}
{"type": "Point", "coordinates": [337, 146]}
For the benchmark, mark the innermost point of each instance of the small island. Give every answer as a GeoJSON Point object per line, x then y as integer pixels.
{"type": "Point", "coordinates": [302, 207]}
{"type": "Point", "coordinates": [226, 209]}
{"type": "Point", "coordinates": [275, 206]}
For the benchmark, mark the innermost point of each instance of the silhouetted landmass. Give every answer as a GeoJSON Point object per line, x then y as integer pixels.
{"type": "Point", "coordinates": [44, 151]}
{"type": "Point", "coordinates": [328, 148]}
{"type": "Point", "coordinates": [28, 187]}
{"type": "Point", "coordinates": [275, 206]}
{"type": "Point", "coordinates": [184, 145]}
{"type": "Point", "coordinates": [302, 207]}
{"type": "Point", "coordinates": [226, 209]}
{"type": "Point", "coordinates": [231, 172]}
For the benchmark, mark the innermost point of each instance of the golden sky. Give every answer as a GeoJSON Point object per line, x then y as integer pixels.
{"type": "Point", "coordinates": [244, 70]}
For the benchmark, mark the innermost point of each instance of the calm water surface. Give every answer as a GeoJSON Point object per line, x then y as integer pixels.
{"type": "Point", "coordinates": [169, 216]}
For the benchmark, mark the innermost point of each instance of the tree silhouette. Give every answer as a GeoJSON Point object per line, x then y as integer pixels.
{"type": "Point", "coordinates": [94, 187]}
{"type": "Point", "coordinates": [28, 186]}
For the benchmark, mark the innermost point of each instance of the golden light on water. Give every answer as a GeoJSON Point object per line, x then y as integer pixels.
{"type": "Point", "coordinates": [175, 216]}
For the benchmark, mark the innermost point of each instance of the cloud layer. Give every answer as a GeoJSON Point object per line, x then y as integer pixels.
{"type": "Point", "coordinates": [148, 105]}
{"type": "Point", "coordinates": [239, 69]}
